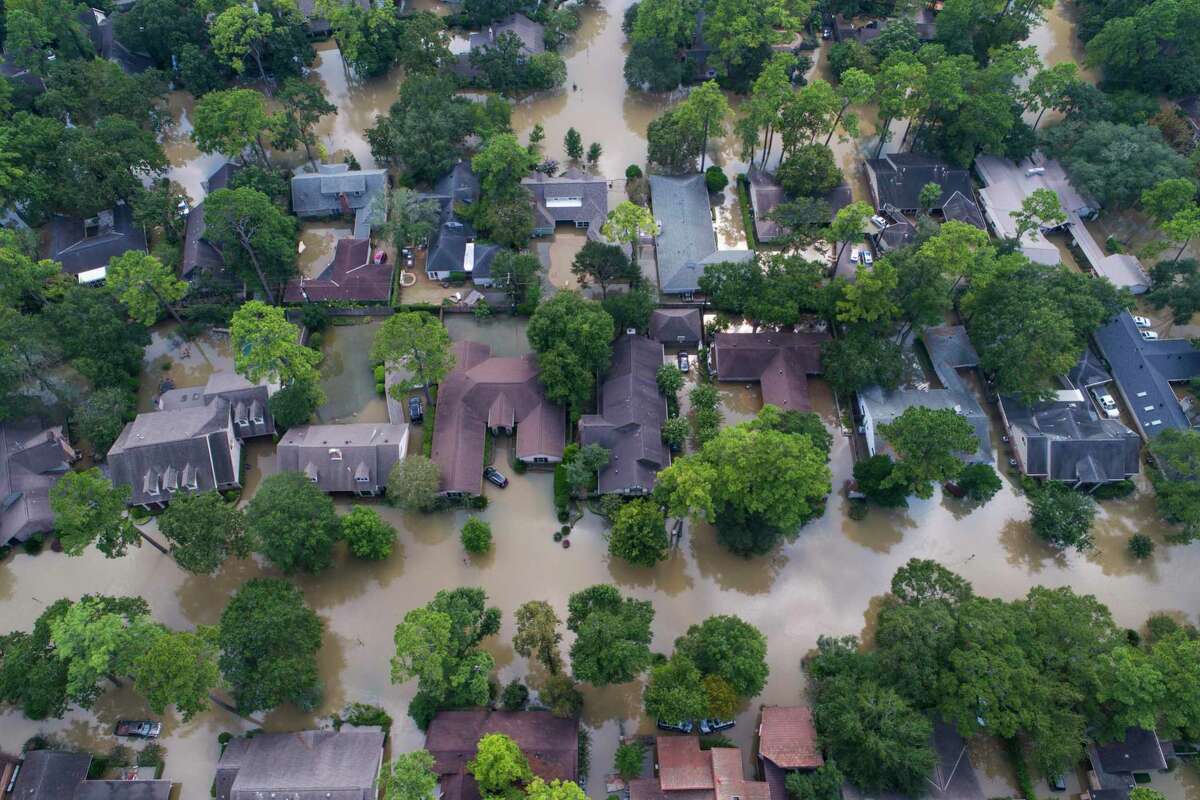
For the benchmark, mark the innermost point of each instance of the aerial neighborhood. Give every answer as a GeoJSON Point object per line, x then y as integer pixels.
{"type": "Point", "coordinates": [640, 400]}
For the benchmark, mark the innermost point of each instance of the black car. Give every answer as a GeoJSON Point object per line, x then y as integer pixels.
{"type": "Point", "coordinates": [493, 476]}
{"type": "Point", "coordinates": [683, 726]}
{"type": "Point", "coordinates": [416, 413]}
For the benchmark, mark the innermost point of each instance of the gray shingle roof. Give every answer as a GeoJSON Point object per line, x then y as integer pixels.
{"type": "Point", "coordinates": [675, 325]}
{"type": "Point", "coordinates": [250, 402]}
{"type": "Point", "coordinates": [447, 252]}
{"type": "Point", "coordinates": [123, 790]}
{"type": "Point", "coordinates": [1066, 441]}
{"type": "Point", "coordinates": [80, 248]}
{"type": "Point", "coordinates": [352, 457]}
{"type": "Point", "coordinates": [32, 459]}
{"type": "Point", "coordinates": [198, 252]}
{"type": "Point", "coordinates": [780, 360]}
{"type": "Point", "coordinates": [50, 775]}
{"type": "Point", "coordinates": [1143, 371]}
{"type": "Point", "coordinates": [687, 241]}
{"type": "Point", "coordinates": [897, 179]}
{"type": "Point", "coordinates": [306, 765]}
{"type": "Point", "coordinates": [531, 34]}
{"type": "Point", "coordinates": [574, 197]}
{"type": "Point", "coordinates": [1139, 751]}
{"type": "Point", "coordinates": [333, 190]}
{"type": "Point", "coordinates": [632, 412]}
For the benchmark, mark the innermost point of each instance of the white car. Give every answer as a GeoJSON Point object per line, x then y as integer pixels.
{"type": "Point", "coordinates": [1149, 336]}
{"type": "Point", "coordinates": [879, 222]}
{"type": "Point", "coordinates": [866, 258]}
{"type": "Point", "coordinates": [1106, 402]}
{"type": "Point", "coordinates": [1142, 322]}
{"type": "Point", "coordinates": [853, 256]}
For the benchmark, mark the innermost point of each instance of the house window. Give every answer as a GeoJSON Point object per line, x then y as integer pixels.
{"type": "Point", "coordinates": [243, 423]}
{"type": "Point", "coordinates": [363, 479]}
{"type": "Point", "coordinates": [335, 454]}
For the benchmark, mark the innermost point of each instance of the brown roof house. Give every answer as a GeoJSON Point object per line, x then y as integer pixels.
{"type": "Point", "coordinates": [250, 402]}
{"type": "Point", "coordinates": [52, 775]}
{"type": "Point", "coordinates": [32, 459]}
{"type": "Point", "coordinates": [787, 742]}
{"type": "Point", "coordinates": [501, 394]}
{"type": "Point", "coordinates": [685, 772]}
{"type": "Point", "coordinates": [676, 325]}
{"type": "Point", "coordinates": [185, 450]}
{"type": "Point", "coordinates": [629, 425]}
{"type": "Point", "coordinates": [305, 765]}
{"type": "Point", "coordinates": [549, 743]}
{"type": "Point", "coordinates": [573, 198]}
{"type": "Point", "coordinates": [352, 275]}
{"type": "Point", "coordinates": [199, 254]}
{"type": "Point", "coordinates": [354, 457]}
{"type": "Point", "coordinates": [780, 360]}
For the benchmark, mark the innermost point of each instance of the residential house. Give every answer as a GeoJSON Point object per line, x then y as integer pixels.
{"type": "Point", "coordinates": [949, 351]}
{"type": "Point", "coordinates": [182, 451]}
{"type": "Point", "coordinates": [453, 250]}
{"type": "Point", "coordinates": [335, 190]}
{"type": "Point", "coordinates": [22, 78]}
{"type": "Point", "coordinates": [787, 742]}
{"type": "Point", "coordinates": [1065, 440]}
{"type": "Point", "coordinates": [685, 772]}
{"type": "Point", "coordinates": [319, 27]}
{"type": "Point", "coordinates": [896, 180]}
{"type": "Point", "coordinates": [1006, 185]}
{"type": "Point", "coordinates": [550, 744]}
{"type": "Point", "coordinates": [85, 246]}
{"type": "Point", "coordinates": [953, 776]}
{"type": "Point", "coordinates": [896, 232]}
{"type": "Point", "coordinates": [199, 254]}
{"type": "Point", "coordinates": [686, 242]}
{"type": "Point", "coordinates": [1144, 371]}
{"type": "Point", "coordinates": [779, 360]}
{"type": "Point", "coordinates": [32, 459]}
{"type": "Point", "coordinates": [250, 402]}
{"type": "Point", "coordinates": [845, 30]}
{"type": "Point", "coordinates": [305, 765]}
{"type": "Point", "coordinates": [53, 775]}
{"type": "Point", "coordinates": [632, 413]}
{"type": "Point", "coordinates": [102, 31]}
{"type": "Point", "coordinates": [766, 195]}
{"type": "Point", "coordinates": [501, 394]}
{"type": "Point", "coordinates": [676, 326]}
{"type": "Point", "coordinates": [352, 275]}
{"type": "Point", "coordinates": [1116, 764]}
{"type": "Point", "coordinates": [353, 457]}
{"type": "Point", "coordinates": [573, 198]}
{"type": "Point", "coordinates": [531, 34]}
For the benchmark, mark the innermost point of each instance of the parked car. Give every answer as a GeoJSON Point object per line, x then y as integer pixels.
{"type": "Point", "coordinates": [826, 33]}
{"type": "Point", "coordinates": [867, 258]}
{"type": "Point", "coordinates": [1142, 322]}
{"type": "Point", "coordinates": [416, 414]}
{"type": "Point", "coordinates": [708, 726]}
{"type": "Point", "coordinates": [1149, 336]}
{"type": "Point", "coordinates": [139, 728]}
{"type": "Point", "coordinates": [684, 363]}
{"type": "Point", "coordinates": [683, 726]}
{"type": "Point", "coordinates": [1106, 402]}
{"type": "Point", "coordinates": [1057, 782]}
{"type": "Point", "coordinates": [494, 477]}
{"type": "Point", "coordinates": [879, 222]}
{"type": "Point", "coordinates": [853, 256]}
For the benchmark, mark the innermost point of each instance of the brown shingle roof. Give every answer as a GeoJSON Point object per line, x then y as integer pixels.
{"type": "Point", "coordinates": [685, 772]}
{"type": "Point", "coordinates": [780, 360]}
{"type": "Point", "coordinates": [787, 737]}
{"type": "Point", "coordinates": [682, 764]}
{"type": "Point", "coordinates": [351, 275]}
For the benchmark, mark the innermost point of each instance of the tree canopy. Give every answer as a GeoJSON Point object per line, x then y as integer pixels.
{"type": "Point", "coordinates": [572, 338]}
{"type": "Point", "coordinates": [612, 635]}
{"type": "Point", "coordinates": [293, 523]}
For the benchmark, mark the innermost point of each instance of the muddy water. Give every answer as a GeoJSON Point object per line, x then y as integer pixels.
{"type": "Point", "coordinates": [185, 363]}
{"type": "Point", "coordinates": [358, 103]}
{"type": "Point", "coordinates": [564, 245]}
{"type": "Point", "coordinates": [318, 242]}
{"type": "Point", "coordinates": [188, 166]}
{"type": "Point", "coordinates": [347, 377]}
{"type": "Point", "coordinates": [504, 334]}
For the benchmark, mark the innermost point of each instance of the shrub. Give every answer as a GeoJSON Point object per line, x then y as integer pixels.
{"type": "Point", "coordinates": [315, 340]}
{"type": "Point", "coordinates": [380, 374]}
{"type": "Point", "coordinates": [629, 759]}
{"type": "Point", "coordinates": [514, 697]}
{"type": "Point", "coordinates": [979, 481]}
{"type": "Point", "coordinates": [563, 515]}
{"type": "Point", "coordinates": [33, 545]}
{"type": "Point", "coordinates": [120, 756]}
{"type": "Point", "coordinates": [562, 487]}
{"type": "Point", "coordinates": [367, 533]}
{"type": "Point", "coordinates": [363, 715]}
{"type": "Point", "coordinates": [224, 737]}
{"type": "Point", "coordinates": [633, 172]}
{"type": "Point", "coordinates": [381, 388]}
{"type": "Point", "coordinates": [715, 179]}
{"type": "Point", "coordinates": [715, 740]}
{"type": "Point", "coordinates": [585, 754]}
{"type": "Point", "coordinates": [858, 509]}
{"type": "Point", "coordinates": [520, 467]}
{"type": "Point", "coordinates": [1114, 491]}
{"type": "Point", "coordinates": [476, 536]}
{"type": "Point", "coordinates": [314, 317]}
{"type": "Point", "coordinates": [610, 505]}
{"type": "Point", "coordinates": [151, 755]}
{"type": "Point", "coordinates": [1141, 546]}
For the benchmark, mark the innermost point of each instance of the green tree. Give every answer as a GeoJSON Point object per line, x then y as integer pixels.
{"type": "Point", "coordinates": [476, 536]}
{"type": "Point", "coordinates": [729, 648]}
{"type": "Point", "coordinates": [101, 416]}
{"type": "Point", "coordinates": [849, 224]}
{"type": "Point", "coordinates": [627, 224]}
{"type": "Point", "coordinates": [705, 111]}
{"type": "Point", "coordinates": [979, 481]}
{"type": "Point", "coordinates": [581, 468]}
{"type": "Point", "coordinates": [178, 668]}
{"type": "Point", "coordinates": [144, 286]}
{"type": "Point", "coordinates": [930, 194]}
{"type": "Point", "coordinates": [823, 783]}
{"type": "Point", "coordinates": [675, 692]}
{"type": "Point", "coordinates": [1176, 479]}
{"type": "Point", "coordinates": [267, 346]}
{"type": "Point", "coordinates": [256, 238]}
{"type": "Point", "coordinates": [269, 640]}
{"type": "Point", "coordinates": [1061, 516]}
{"type": "Point", "coordinates": [1048, 86]}
{"type": "Point", "coordinates": [414, 482]}
{"type": "Point", "coordinates": [424, 130]}
{"type": "Point", "coordinates": [410, 776]}
{"type": "Point", "coordinates": [204, 530]}
{"type": "Point", "coordinates": [572, 338]}
{"type": "Point", "coordinates": [519, 274]}
{"type": "Point", "coordinates": [414, 218]}
{"type": "Point", "coordinates": [861, 359]}
{"type": "Point", "coordinates": [303, 106]}
{"type": "Point", "coordinates": [498, 764]}
{"type": "Point", "coordinates": [1040, 209]}
{"type": "Point", "coordinates": [612, 635]}
{"type": "Point", "coordinates": [423, 45]}
{"type": "Point", "coordinates": [809, 171]}
{"type": "Point", "coordinates": [1182, 228]}
{"type": "Point", "coordinates": [631, 309]}
{"type": "Point", "coordinates": [807, 114]}
{"type": "Point", "coordinates": [239, 31]}
{"type": "Point", "coordinates": [89, 509]}
{"type": "Point", "coordinates": [368, 38]}
{"type": "Point", "coordinates": [573, 144]}
{"type": "Point", "coordinates": [99, 640]}
{"type": "Point", "coordinates": [295, 403]}
{"type": "Point", "coordinates": [1114, 163]}
{"type": "Point", "coordinates": [537, 634]}
{"type": "Point", "coordinates": [557, 789]}
{"type": "Point", "coordinates": [870, 297]}
{"type": "Point", "coordinates": [672, 142]}
{"type": "Point", "coordinates": [926, 441]}
{"type": "Point", "coordinates": [1167, 198]}
{"type": "Point", "coordinates": [416, 342]}
{"type": "Point", "coordinates": [874, 478]}
{"type": "Point", "coordinates": [293, 523]}
{"type": "Point", "coordinates": [629, 758]}
{"type": "Point", "coordinates": [741, 31]}
{"type": "Point", "coordinates": [603, 264]}
{"type": "Point", "coordinates": [231, 122]}
{"type": "Point", "coordinates": [562, 696]}
{"type": "Point", "coordinates": [639, 534]}
{"type": "Point", "coordinates": [594, 152]}
{"type": "Point", "coordinates": [369, 535]}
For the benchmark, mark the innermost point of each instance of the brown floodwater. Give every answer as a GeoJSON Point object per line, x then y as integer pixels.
{"type": "Point", "coordinates": [185, 363]}
{"type": "Point", "coordinates": [347, 377]}
{"type": "Point", "coordinates": [318, 241]}
{"type": "Point", "coordinates": [188, 166]}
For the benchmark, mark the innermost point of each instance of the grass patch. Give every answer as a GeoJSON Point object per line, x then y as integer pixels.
{"type": "Point", "coordinates": [743, 195]}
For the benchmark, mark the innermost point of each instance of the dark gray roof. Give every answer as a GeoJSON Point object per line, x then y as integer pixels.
{"type": "Point", "coordinates": [765, 196]}
{"type": "Point", "coordinates": [953, 776]}
{"type": "Point", "coordinates": [184, 450]}
{"type": "Point", "coordinates": [50, 775]}
{"type": "Point", "coordinates": [531, 34]}
{"type": "Point", "coordinates": [352, 457]}
{"type": "Point", "coordinates": [1143, 372]}
{"type": "Point", "coordinates": [198, 252]}
{"type": "Point", "coordinates": [32, 459]}
{"type": "Point", "coordinates": [334, 189]}
{"type": "Point", "coordinates": [898, 233]}
{"type": "Point", "coordinates": [250, 402]}
{"type": "Point", "coordinates": [1066, 441]}
{"type": "Point", "coordinates": [897, 179]}
{"type": "Point", "coordinates": [1139, 751]}
{"type": "Point", "coordinates": [83, 245]}
{"type": "Point", "coordinates": [1089, 371]}
{"type": "Point", "coordinates": [632, 412]}
{"type": "Point", "coordinates": [687, 241]}
{"type": "Point", "coordinates": [123, 790]}
{"type": "Point", "coordinates": [448, 250]}
{"type": "Point", "coordinates": [676, 325]}
{"type": "Point", "coordinates": [306, 765]}
{"type": "Point", "coordinates": [962, 208]}
{"type": "Point", "coordinates": [574, 197]}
